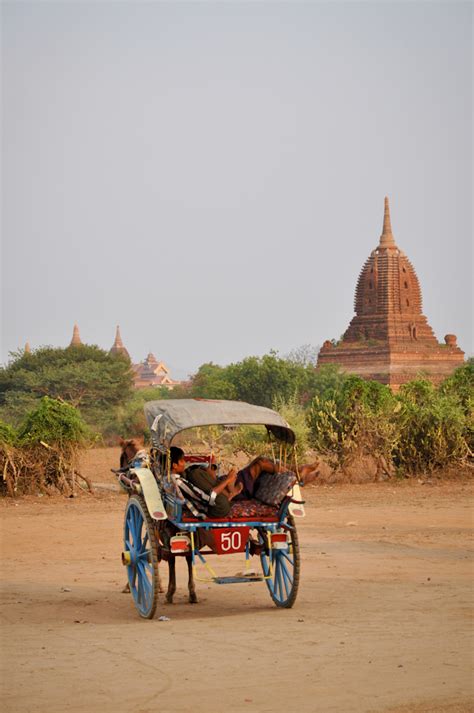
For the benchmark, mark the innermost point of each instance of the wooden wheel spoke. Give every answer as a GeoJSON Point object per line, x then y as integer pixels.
{"type": "Point", "coordinates": [279, 578]}
{"type": "Point", "coordinates": [287, 580]}
{"type": "Point", "coordinates": [139, 588]}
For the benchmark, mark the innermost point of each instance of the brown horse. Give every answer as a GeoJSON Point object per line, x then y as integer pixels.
{"type": "Point", "coordinates": [165, 529]}
{"type": "Point", "coordinates": [129, 450]}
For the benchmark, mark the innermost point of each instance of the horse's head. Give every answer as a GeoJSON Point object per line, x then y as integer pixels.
{"type": "Point", "coordinates": [129, 448]}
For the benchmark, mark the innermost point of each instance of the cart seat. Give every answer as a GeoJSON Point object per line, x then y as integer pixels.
{"type": "Point", "coordinates": [241, 511]}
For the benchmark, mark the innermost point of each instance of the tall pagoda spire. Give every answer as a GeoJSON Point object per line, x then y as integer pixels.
{"type": "Point", "coordinates": [76, 337]}
{"type": "Point", "coordinates": [389, 339]}
{"type": "Point", "coordinates": [118, 346]}
{"type": "Point", "coordinates": [387, 239]}
{"type": "Point", "coordinates": [27, 348]}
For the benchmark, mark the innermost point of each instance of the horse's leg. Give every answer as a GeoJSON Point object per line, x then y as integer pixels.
{"type": "Point", "coordinates": [192, 591]}
{"type": "Point", "coordinates": [172, 579]}
{"type": "Point", "coordinates": [160, 581]}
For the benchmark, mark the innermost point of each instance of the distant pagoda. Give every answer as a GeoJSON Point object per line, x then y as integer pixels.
{"type": "Point", "coordinates": [76, 337]}
{"type": "Point", "coordinates": [118, 346]}
{"type": "Point", "coordinates": [149, 372]}
{"type": "Point", "coordinates": [389, 340]}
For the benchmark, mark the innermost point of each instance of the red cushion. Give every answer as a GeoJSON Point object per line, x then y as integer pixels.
{"type": "Point", "coordinates": [241, 511]}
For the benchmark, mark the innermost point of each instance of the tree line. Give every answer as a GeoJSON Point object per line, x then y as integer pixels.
{"type": "Point", "coordinates": [421, 428]}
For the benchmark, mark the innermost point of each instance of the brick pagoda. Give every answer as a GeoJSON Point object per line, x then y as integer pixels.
{"type": "Point", "coordinates": [118, 346]}
{"type": "Point", "coordinates": [76, 337]}
{"type": "Point", "coordinates": [389, 340]}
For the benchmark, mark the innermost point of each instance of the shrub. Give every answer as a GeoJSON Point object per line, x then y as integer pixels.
{"type": "Point", "coordinates": [295, 414]}
{"type": "Point", "coordinates": [352, 418]}
{"type": "Point", "coordinates": [43, 454]}
{"type": "Point", "coordinates": [432, 428]}
{"type": "Point", "coordinates": [8, 435]}
{"type": "Point", "coordinates": [54, 422]}
{"type": "Point", "coordinates": [460, 387]}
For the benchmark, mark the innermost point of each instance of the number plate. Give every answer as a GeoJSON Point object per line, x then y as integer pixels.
{"type": "Point", "coordinates": [229, 540]}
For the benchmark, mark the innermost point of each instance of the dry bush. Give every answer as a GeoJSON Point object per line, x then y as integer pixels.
{"type": "Point", "coordinates": [42, 456]}
{"type": "Point", "coordinates": [40, 469]}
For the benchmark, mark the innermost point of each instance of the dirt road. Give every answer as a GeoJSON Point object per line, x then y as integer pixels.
{"type": "Point", "coordinates": [383, 620]}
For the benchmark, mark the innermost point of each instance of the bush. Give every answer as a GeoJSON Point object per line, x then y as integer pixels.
{"type": "Point", "coordinates": [460, 387]}
{"type": "Point", "coordinates": [43, 454]}
{"type": "Point", "coordinates": [432, 428]}
{"type": "Point", "coordinates": [295, 414]}
{"type": "Point", "coordinates": [8, 435]}
{"type": "Point", "coordinates": [351, 418]}
{"type": "Point", "coordinates": [54, 422]}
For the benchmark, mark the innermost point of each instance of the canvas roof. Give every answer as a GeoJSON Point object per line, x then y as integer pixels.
{"type": "Point", "coordinates": [168, 417]}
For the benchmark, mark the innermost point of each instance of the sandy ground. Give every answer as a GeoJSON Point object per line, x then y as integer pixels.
{"type": "Point", "coordinates": [382, 623]}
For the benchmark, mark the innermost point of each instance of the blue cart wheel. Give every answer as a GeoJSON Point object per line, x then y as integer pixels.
{"type": "Point", "coordinates": [142, 557]}
{"type": "Point", "coordinates": [282, 568]}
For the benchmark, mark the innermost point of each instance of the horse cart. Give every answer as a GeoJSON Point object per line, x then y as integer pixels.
{"type": "Point", "coordinates": [163, 522]}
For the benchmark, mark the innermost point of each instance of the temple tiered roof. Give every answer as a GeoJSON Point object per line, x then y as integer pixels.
{"type": "Point", "coordinates": [151, 372]}
{"type": "Point", "coordinates": [389, 339]}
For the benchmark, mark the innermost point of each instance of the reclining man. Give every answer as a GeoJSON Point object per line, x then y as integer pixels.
{"type": "Point", "coordinates": [222, 490]}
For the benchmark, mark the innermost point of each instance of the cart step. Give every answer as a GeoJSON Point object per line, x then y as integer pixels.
{"type": "Point", "coordinates": [236, 580]}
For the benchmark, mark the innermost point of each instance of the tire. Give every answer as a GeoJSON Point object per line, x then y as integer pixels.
{"type": "Point", "coordinates": [285, 568]}
{"type": "Point", "coordinates": [140, 541]}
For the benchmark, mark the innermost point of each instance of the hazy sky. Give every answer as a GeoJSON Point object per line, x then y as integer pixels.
{"type": "Point", "coordinates": [211, 175]}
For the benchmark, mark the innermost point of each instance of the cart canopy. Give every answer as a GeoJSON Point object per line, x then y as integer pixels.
{"type": "Point", "coordinates": [169, 417]}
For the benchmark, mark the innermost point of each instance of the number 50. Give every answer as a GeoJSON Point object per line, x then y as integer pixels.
{"type": "Point", "coordinates": [231, 541]}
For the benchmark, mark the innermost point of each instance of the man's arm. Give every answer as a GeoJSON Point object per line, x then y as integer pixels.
{"type": "Point", "coordinates": [224, 482]}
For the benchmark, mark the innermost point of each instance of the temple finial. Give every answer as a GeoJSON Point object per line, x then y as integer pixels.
{"type": "Point", "coordinates": [118, 339]}
{"type": "Point", "coordinates": [27, 348]}
{"type": "Point", "coordinates": [76, 337]}
{"type": "Point", "coordinates": [386, 239]}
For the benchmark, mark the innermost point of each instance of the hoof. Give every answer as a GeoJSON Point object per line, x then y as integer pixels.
{"type": "Point", "coordinates": [126, 589]}
{"type": "Point", "coordinates": [193, 599]}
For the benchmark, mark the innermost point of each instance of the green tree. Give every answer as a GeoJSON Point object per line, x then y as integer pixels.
{"type": "Point", "coordinates": [261, 380]}
{"type": "Point", "coordinates": [212, 382]}
{"type": "Point", "coordinates": [130, 419]}
{"type": "Point", "coordinates": [328, 381]}
{"type": "Point", "coordinates": [84, 376]}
